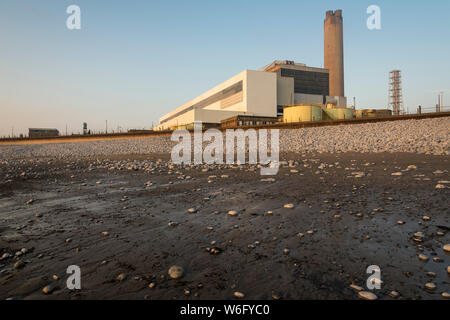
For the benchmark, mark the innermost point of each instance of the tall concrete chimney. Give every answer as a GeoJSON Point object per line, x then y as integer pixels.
{"type": "Point", "coordinates": [334, 51]}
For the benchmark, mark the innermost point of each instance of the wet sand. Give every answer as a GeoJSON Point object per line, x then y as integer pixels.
{"type": "Point", "coordinates": [353, 220]}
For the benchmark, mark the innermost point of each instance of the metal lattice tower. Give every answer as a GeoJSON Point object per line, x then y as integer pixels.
{"type": "Point", "coordinates": [395, 92]}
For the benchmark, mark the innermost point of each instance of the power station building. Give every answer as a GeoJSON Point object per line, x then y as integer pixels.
{"type": "Point", "coordinates": [265, 93]}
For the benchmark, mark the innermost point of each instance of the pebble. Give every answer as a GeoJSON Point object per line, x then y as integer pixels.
{"type": "Point", "coordinates": [192, 210]}
{"type": "Point", "coordinates": [121, 277]}
{"type": "Point", "coordinates": [423, 257]}
{"type": "Point", "coordinates": [426, 218]}
{"type": "Point", "coordinates": [19, 264]}
{"type": "Point", "coordinates": [419, 235]}
{"type": "Point", "coordinates": [430, 286]}
{"type": "Point", "coordinates": [6, 255]}
{"type": "Point", "coordinates": [176, 272]}
{"type": "Point", "coordinates": [232, 213]}
{"type": "Point", "coordinates": [356, 288]}
{"type": "Point", "coordinates": [394, 294]}
{"type": "Point", "coordinates": [445, 295]}
{"type": "Point", "coordinates": [214, 251]}
{"type": "Point", "coordinates": [289, 206]}
{"type": "Point", "coordinates": [365, 295]}
{"type": "Point", "coordinates": [239, 295]}
{"type": "Point", "coordinates": [49, 289]}
{"type": "Point", "coordinates": [446, 248]}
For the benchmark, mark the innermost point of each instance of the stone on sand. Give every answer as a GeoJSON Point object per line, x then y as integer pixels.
{"type": "Point", "coordinates": [48, 289]}
{"type": "Point", "coordinates": [430, 286]}
{"type": "Point", "coordinates": [176, 272]}
{"type": "Point", "coordinates": [366, 295]}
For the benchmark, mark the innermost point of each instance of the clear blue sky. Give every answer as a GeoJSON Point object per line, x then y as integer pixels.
{"type": "Point", "coordinates": [133, 61]}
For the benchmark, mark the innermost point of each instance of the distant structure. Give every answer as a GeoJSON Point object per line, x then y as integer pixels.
{"type": "Point", "coordinates": [334, 51]}
{"type": "Point", "coordinates": [372, 113]}
{"type": "Point", "coordinates": [395, 92]}
{"type": "Point", "coordinates": [139, 131]}
{"type": "Point", "coordinates": [85, 128]}
{"type": "Point", "coordinates": [42, 132]}
{"type": "Point", "coordinates": [440, 105]}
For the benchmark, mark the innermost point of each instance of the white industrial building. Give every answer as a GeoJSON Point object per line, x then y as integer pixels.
{"type": "Point", "coordinates": [247, 93]}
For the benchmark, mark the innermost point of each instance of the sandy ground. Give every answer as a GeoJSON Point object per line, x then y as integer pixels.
{"type": "Point", "coordinates": [353, 220]}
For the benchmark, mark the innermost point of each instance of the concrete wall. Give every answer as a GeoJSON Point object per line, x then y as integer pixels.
{"type": "Point", "coordinates": [308, 99]}
{"type": "Point", "coordinates": [285, 91]}
{"type": "Point", "coordinates": [339, 102]}
{"type": "Point", "coordinates": [260, 93]}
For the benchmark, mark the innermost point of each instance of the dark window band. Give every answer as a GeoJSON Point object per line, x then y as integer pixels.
{"type": "Point", "coordinates": [225, 93]}
{"type": "Point", "coordinates": [308, 82]}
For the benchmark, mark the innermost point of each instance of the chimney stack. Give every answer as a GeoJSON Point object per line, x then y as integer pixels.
{"type": "Point", "coordinates": [334, 51]}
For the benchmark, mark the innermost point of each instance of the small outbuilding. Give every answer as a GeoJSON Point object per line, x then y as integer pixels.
{"type": "Point", "coordinates": [42, 132]}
